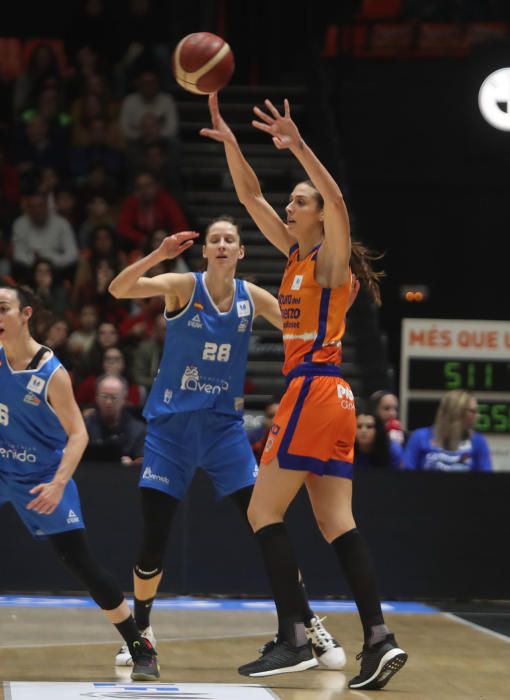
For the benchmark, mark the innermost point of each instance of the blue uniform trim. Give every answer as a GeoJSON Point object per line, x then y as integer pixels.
{"type": "Point", "coordinates": [323, 323]}
{"type": "Point", "coordinates": [291, 428]}
{"type": "Point", "coordinates": [314, 369]}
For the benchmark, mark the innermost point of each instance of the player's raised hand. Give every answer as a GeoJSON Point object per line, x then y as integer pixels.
{"type": "Point", "coordinates": [281, 127]}
{"type": "Point", "coordinates": [220, 130]}
{"type": "Point", "coordinates": [174, 245]}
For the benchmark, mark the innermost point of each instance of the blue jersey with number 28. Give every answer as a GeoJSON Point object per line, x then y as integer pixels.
{"type": "Point", "coordinates": [204, 358]}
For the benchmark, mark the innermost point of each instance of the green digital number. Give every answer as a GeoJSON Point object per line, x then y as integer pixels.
{"type": "Point", "coordinates": [500, 418]}
{"type": "Point", "coordinates": [452, 375]}
{"type": "Point", "coordinates": [483, 421]}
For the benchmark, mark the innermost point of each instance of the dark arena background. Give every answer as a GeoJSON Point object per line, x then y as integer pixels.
{"type": "Point", "coordinates": [407, 104]}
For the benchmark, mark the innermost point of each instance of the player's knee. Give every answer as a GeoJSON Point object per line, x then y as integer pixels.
{"type": "Point", "coordinates": [333, 526]}
{"type": "Point", "coordinates": [259, 516]}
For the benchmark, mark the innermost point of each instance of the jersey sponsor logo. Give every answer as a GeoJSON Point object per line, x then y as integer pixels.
{"type": "Point", "coordinates": [36, 384]}
{"type": "Point", "coordinates": [152, 476]}
{"type": "Point", "coordinates": [167, 396]}
{"type": "Point", "coordinates": [296, 284]}
{"type": "Point", "coordinates": [243, 325]}
{"type": "Point", "coordinates": [31, 399]}
{"type": "Point", "coordinates": [72, 518]}
{"type": "Point", "coordinates": [255, 472]}
{"type": "Point", "coordinates": [238, 403]}
{"type": "Point", "coordinates": [195, 322]}
{"type": "Point", "coordinates": [18, 455]}
{"type": "Point", "coordinates": [198, 305]}
{"type": "Point", "coordinates": [243, 308]}
{"type": "Point", "coordinates": [191, 381]}
{"type": "Point", "coordinates": [269, 444]}
{"type": "Point", "coordinates": [344, 392]}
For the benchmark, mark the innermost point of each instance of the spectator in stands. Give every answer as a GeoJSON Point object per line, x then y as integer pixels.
{"type": "Point", "coordinates": [258, 436]}
{"type": "Point", "coordinates": [90, 107]}
{"type": "Point", "coordinates": [114, 433]}
{"type": "Point", "coordinates": [83, 337]}
{"type": "Point", "coordinates": [384, 404]}
{"type": "Point", "coordinates": [97, 267]}
{"type": "Point", "coordinates": [99, 213]}
{"type": "Point", "coordinates": [48, 181]}
{"type": "Point", "coordinates": [373, 446]}
{"type": "Point", "coordinates": [50, 292]}
{"type": "Point", "coordinates": [451, 444]}
{"type": "Point", "coordinates": [39, 234]}
{"type": "Point", "coordinates": [147, 355]}
{"type": "Point", "coordinates": [92, 360]}
{"type": "Point", "coordinates": [114, 363]}
{"type": "Point", "coordinates": [66, 204]}
{"type": "Point", "coordinates": [141, 323]}
{"type": "Point", "coordinates": [148, 98]}
{"type": "Point", "coordinates": [56, 337]}
{"type": "Point", "coordinates": [42, 70]}
{"type": "Point", "coordinates": [99, 149]}
{"type": "Point", "coordinates": [35, 149]}
{"type": "Point", "coordinates": [146, 210]}
{"type": "Point", "coordinates": [49, 106]}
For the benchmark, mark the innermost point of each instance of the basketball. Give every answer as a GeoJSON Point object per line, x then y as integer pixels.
{"type": "Point", "coordinates": [202, 63]}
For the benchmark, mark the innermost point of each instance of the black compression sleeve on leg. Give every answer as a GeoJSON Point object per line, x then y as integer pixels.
{"type": "Point", "coordinates": [283, 574]}
{"type": "Point", "coordinates": [242, 499]}
{"type": "Point", "coordinates": [356, 562]}
{"type": "Point", "coordinates": [73, 550]}
{"type": "Point", "coordinates": [158, 510]}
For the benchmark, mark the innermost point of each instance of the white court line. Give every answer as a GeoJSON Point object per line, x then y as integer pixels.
{"type": "Point", "coordinates": [43, 645]}
{"type": "Point", "coordinates": [474, 626]}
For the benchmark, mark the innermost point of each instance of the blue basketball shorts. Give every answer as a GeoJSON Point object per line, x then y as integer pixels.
{"type": "Point", "coordinates": [67, 516]}
{"type": "Point", "coordinates": [215, 442]}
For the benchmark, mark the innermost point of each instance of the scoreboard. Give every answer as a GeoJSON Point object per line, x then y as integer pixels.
{"type": "Point", "coordinates": [439, 355]}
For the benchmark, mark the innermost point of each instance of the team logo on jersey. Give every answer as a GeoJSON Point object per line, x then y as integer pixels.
{"type": "Point", "coordinates": [275, 429]}
{"type": "Point", "coordinates": [269, 444]}
{"type": "Point", "coordinates": [167, 396]}
{"type": "Point", "coordinates": [238, 403]}
{"type": "Point", "coordinates": [195, 322]}
{"type": "Point", "coordinates": [31, 399]}
{"type": "Point", "coordinates": [72, 518]}
{"type": "Point", "coordinates": [191, 381]}
{"type": "Point", "coordinates": [296, 284]}
{"type": "Point", "coordinates": [243, 308]}
{"type": "Point", "coordinates": [149, 474]}
{"type": "Point", "coordinates": [243, 325]}
{"type": "Point", "coordinates": [198, 305]}
{"type": "Point", "coordinates": [36, 384]}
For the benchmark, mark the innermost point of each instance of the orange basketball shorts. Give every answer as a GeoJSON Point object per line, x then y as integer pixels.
{"type": "Point", "coordinates": [314, 427]}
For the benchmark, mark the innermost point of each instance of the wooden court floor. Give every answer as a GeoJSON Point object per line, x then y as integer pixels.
{"type": "Point", "coordinates": [447, 660]}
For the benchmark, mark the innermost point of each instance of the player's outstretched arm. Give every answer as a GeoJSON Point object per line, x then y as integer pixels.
{"type": "Point", "coordinates": [60, 395]}
{"type": "Point", "coordinates": [333, 258]}
{"type": "Point", "coordinates": [130, 282]}
{"type": "Point", "coordinates": [266, 305]}
{"type": "Point", "coordinates": [246, 182]}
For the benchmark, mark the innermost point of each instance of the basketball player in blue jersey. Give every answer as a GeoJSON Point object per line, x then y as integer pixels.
{"type": "Point", "coordinates": [194, 411]}
{"type": "Point", "coordinates": [42, 439]}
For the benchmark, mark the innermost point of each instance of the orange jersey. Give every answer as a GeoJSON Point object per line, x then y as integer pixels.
{"type": "Point", "coordinates": [313, 316]}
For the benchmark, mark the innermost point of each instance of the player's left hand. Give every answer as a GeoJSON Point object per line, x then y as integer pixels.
{"type": "Point", "coordinates": [283, 130]}
{"type": "Point", "coordinates": [48, 496]}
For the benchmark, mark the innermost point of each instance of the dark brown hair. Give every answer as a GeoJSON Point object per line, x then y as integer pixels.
{"type": "Point", "coordinates": [361, 257]}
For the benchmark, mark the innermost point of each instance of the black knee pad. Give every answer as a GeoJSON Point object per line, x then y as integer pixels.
{"type": "Point", "coordinates": [158, 510]}
{"type": "Point", "coordinates": [73, 550]}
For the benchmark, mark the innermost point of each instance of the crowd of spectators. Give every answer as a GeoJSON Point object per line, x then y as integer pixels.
{"type": "Point", "coordinates": [90, 181]}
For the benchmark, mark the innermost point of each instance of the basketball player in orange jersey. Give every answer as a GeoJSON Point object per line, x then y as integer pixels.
{"type": "Point", "coordinates": [311, 441]}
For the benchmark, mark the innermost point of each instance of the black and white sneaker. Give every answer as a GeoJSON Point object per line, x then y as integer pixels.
{"type": "Point", "coordinates": [327, 650]}
{"type": "Point", "coordinates": [378, 664]}
{"type": "Point", "coordinates": [280, 657]}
